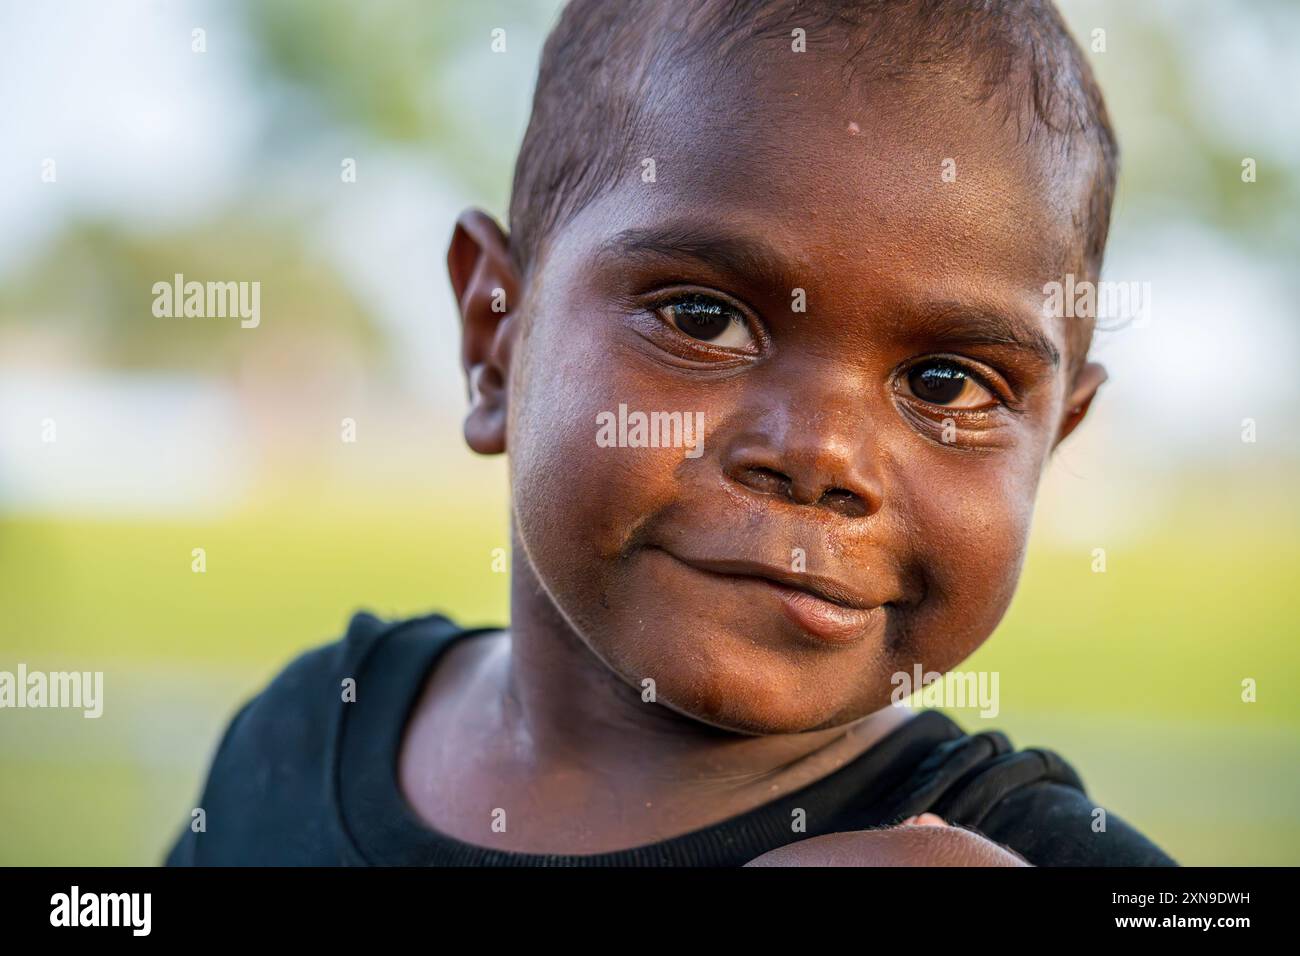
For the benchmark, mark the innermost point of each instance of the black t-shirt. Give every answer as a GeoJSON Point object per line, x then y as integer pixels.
{"type": "Point", "coordinates": [302, 778]}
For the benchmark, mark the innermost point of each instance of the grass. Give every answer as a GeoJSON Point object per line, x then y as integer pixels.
{"type": "Point", "coordinates": [1134, 675]}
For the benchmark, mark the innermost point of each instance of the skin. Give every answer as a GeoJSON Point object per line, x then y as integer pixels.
{"type": "Point", "coordinates": [911, 844]}
{"type": "Point", "coordinates": [643, 563]}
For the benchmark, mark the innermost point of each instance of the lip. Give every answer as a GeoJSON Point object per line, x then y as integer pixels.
{"type": "Point", "coordinates": [817, 605]}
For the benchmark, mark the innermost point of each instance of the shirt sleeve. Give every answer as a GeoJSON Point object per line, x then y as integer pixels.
{"type": "Point", "coordinates": [184, 850]}
{"type": "Point", "coordinates": [267, 795]}
{"type": "Point", "coordinates": [1030, 801]}
{"type": "Point", "coordinates": [1051, 824]}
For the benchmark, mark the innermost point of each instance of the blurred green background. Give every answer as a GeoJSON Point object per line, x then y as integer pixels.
{"type": "Point", "coordinates": [173, 435]}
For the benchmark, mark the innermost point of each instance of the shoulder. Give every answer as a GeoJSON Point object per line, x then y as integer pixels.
{"type": "Point", "coordinates": [268, 795]}
{"type": "Point", "coordinates": [1031, 800]}
{"type": "Point", "coordinates": [1054, 824]}
{"type": "Point", "coordinates": [286, 727]}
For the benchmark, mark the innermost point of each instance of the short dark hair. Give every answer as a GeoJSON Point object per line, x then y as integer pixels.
{"type": "Point", "coordinates": [600, 62]}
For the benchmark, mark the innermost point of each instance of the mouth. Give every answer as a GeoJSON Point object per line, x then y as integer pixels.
{"type": "Point", "coordinates": [819, 606]}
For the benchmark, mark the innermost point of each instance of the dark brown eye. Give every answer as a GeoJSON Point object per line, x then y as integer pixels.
{"type": "Point", "coordinates": [948, 385]}
{"type": "Point", "coordinates": [708, 320]}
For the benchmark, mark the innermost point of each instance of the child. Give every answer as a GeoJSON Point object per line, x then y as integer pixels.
{"type": "Point", "coordinates": [767, 346]}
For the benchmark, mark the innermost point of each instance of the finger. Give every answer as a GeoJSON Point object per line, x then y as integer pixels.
{"type": "Point", "coordinates": [925, 820]}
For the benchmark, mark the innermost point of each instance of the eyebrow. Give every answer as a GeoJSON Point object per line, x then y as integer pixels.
{"type": "Point", "coordinates": [740, 257]}
{"type": "Point", "coordinates": [958, 324]}
{"type": "Point", "coordinates": [746, 258]}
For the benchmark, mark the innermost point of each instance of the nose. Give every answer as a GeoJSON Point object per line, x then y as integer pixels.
{"type": "Point", "coordinates": [823, 457]}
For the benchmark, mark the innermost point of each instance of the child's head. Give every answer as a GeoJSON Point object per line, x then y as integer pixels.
{"type": "Point", "coordinates": [826, 226]}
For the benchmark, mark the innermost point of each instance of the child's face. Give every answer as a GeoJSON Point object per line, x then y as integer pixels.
{"type": "Point", "coordinates": [882, 446]}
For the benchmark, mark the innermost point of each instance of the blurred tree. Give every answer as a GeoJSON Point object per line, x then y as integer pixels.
{"type": "Point", "coordinates": [1180, 150]}
{"type": "Point", "coordinates": [416, 74]}
{"type": "Point", "coordinates": [94, 284]}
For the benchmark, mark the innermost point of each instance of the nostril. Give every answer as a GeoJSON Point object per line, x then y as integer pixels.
{"type": "Point", "coordinates": [845, 502]}
{"type": "Point", "coordinates": [769, 481]}
{"type": "Point", "coordinates": [764, 480]}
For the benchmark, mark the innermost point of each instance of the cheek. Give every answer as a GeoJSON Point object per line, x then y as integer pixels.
{"type": "Point", "coordinates": [972, 531]}
{"type": "Point", "coordinates": [576, 503]}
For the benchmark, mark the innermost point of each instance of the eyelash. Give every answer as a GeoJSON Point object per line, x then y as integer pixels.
{"type": "Point", "coordinates": [684, 295]}
{"type": "Point", "coordinates": [1002, 395]}
{"type": "Point", "coordinates": [997, 391]}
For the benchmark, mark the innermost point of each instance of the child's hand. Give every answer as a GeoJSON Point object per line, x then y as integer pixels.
{"type": "Point", "coordinates": [923, 840]}
{"type": "Point", "coordinates": [925, 820]}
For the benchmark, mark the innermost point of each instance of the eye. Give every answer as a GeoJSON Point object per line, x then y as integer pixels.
{"type": "Point", "coordinates": [707, 319]}
{"type": "Point", "coordinates": [949, 385]}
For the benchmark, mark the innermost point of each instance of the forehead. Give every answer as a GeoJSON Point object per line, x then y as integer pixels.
{"type": "Point", "coordinates": [904, 188]}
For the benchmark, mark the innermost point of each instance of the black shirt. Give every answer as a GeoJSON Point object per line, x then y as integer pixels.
{"type": "Point", "coordinates": [302, 778]}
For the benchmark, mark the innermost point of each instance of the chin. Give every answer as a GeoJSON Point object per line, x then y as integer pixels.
{"type": "Point", "coordinates": [747, 685]}
{"type": "Point", "coordinates": [762, 718]}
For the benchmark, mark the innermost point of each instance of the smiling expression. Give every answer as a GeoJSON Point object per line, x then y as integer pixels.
{"type": "Point", "coordinates": [879, 385]}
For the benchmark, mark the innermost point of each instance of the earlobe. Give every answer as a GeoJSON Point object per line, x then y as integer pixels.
{"type": "Point", "coordinates": [485, 423]}
{"type": "Point", "coordinates": [486, 285]}
{"type": "Point", "coordinates": [1090, 378]}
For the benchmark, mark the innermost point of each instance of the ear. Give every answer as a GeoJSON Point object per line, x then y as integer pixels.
{"type": "Point", "coordinates": [487, 287]}
{"type": "Point", "coordinates": [1077, 403]}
